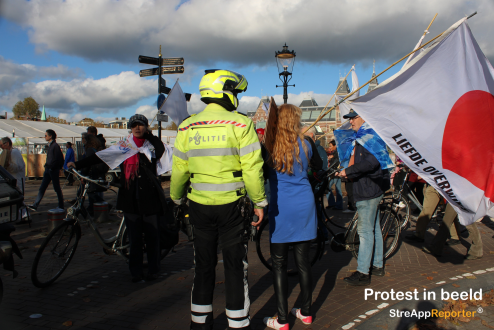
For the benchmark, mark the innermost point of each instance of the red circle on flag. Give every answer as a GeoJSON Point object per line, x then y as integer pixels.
{"type": "Point", "coordinates": [468, 140]}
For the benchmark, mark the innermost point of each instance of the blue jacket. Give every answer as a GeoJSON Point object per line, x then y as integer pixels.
{"type": "Point", "coordinates": [69, 157]}
{"type": "Point", "coordinates": [322, 154]}
{"type": "Point", "coordinates": [369, 180]}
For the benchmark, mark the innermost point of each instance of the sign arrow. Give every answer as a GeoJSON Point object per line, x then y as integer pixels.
{"type": "Point", "coordinates": [164, 61]}
{"type": "Point", "coordinates": [164, 70]}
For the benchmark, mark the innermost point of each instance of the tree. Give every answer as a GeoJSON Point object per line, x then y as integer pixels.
{"type": "Point", "coordinates": [27, 107]}
{"type": "Point", "coordinates": [172, 127]}
{"type": "Point", "coordinates": [56, 120]}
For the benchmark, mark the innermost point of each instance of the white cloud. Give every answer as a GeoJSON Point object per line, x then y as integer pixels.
{"type": "Point", "coordinates": [13, 75]}
{"type": "Point", "coordinates": [147, 110]}
{"type": "Point", "coordinates": [98, 95]}
{"type": "Point", "coordinates": [242, 32]}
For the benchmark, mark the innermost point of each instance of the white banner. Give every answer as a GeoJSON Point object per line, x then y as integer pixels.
{"type": "Point", "coordinates": [437, 115]}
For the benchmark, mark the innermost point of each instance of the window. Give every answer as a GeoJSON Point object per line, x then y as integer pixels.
{"type": "Point", "coordinates": [305, 115]}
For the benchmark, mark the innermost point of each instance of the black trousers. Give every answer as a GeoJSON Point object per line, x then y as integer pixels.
{"type": "Point", "coordinates": [137, 225]}
{"type": "Point", "coordinates": [69, 176]}
{"type": "Point", "coordinates": [221, 224]}
{"type": "Point", "coordinates": [279, 255]}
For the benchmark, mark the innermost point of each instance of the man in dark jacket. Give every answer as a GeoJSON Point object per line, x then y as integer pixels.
{"type": "Point", "coordinates": [54, 162]}
{"type": "Point", "coordinates": [369, 184]}
{"type": "Point", "coordinates": [315, 162]}
{"type": "Point", "coordinates": [92, 130]}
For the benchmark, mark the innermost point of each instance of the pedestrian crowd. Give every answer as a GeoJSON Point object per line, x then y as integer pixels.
{"type": "Point", "coordinates": [219, 158]}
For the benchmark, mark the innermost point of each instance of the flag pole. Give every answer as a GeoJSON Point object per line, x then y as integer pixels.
{"type": "Point", "coordinates": [427, 30]}
{"type": "Point", "coordinates": [421, 38]}
{"type": "Point", "coordinates": [389, 67]}
{"type": "Point", "coordinates": [341, 82]}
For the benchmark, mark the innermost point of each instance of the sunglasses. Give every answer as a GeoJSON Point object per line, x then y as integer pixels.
{"type": "Point", "coordinates": [135, 125]}
{"type": "Point", "coordinates": [353, 118]}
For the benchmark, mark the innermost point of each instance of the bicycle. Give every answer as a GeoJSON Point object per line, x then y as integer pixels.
{"type": "Point", "coordinates": [401, 200]}
{"type": "Point", "coordinates": [348, 240]}
{"type": "Point", "coordinates": [58, 248]}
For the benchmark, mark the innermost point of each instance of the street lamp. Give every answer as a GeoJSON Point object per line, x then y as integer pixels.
{"type": "Point", "coordinates": [285, 61]}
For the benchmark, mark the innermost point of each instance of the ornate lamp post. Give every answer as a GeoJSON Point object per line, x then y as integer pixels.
{"type": "Point", "coordinates": [285, 61]}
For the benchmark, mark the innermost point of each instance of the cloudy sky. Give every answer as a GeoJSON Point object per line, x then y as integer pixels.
{"type": "Point", "coordinates": [78, 58]}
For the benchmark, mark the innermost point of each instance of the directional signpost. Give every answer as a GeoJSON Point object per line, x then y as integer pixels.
{"type": "Point", "coordinates": [172, 65]}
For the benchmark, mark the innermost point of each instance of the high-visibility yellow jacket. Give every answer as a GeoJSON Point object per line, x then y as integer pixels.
{"type": "Point", "coordinates": [220, 153]}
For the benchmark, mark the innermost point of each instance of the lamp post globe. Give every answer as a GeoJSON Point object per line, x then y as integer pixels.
{"type": "Point", "coordinates": [285, 59]}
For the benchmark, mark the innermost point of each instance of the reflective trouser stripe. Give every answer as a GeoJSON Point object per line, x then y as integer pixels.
{"type": "Point", "coordinates": [180, 154]}
{"type": "Point", "coordinates": [212, 152]}
{"type": "Point", "coordinates": [250, 148]}
{"type": "Point", "coordinates": [199, 319]}
{"type": "Point", "coordinates": [218, 186]}
{"type": "Point", "coordinates": [237, 314]}
{"type": "Point", "coordinates": [238, 324]}
{"type": "Point", "coordinates": [201, 308]}
{"type": "Point", "coordinates": [241, 313]}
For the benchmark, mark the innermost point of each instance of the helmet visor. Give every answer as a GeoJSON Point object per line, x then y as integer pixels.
{"type": "Point", "coordinates": [241, 84]}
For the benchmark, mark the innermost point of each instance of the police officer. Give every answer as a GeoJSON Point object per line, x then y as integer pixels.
{"type": "Point", "coordinates": [219, 152]}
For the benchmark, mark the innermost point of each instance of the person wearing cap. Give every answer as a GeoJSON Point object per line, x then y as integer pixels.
{"type": "Point", "coordinates": [140, 196]}
{"type": "Point", "coordinates": [366, 164]}
{"type": "Point", "coordinates": [260, 134]}
{"type": "Point", "coordinates": [218, 151]}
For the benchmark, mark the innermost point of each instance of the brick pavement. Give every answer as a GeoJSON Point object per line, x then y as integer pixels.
{"type": "Point", "coordinates": [116, 303]}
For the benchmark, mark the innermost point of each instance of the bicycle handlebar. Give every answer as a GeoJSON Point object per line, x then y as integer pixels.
{"type": "Point", "coordinates": [98, 182]}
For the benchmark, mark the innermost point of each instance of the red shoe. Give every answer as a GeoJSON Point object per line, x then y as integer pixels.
{"type": "Point", "coordinates": [272, 322]}
{"type": "Point", "coordinates": [305, 319]}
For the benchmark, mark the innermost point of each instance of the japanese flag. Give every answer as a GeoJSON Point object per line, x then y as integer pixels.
{"type": "Point", "coordinates": [437, 115]}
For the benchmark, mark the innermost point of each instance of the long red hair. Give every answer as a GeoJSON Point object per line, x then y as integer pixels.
{"type": "Point", "coordinates": [281, 137]}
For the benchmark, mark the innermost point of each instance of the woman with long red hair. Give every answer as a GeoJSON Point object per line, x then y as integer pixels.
{"type": "Point", "coordinates": [292, 211]}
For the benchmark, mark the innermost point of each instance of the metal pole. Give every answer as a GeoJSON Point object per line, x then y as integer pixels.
{"type": "Point", "coordinates": [27, 158]}
{"type": "Point", "coordinates": [285, 89]}
{"type": "Point", "coordinates": [159, 92]}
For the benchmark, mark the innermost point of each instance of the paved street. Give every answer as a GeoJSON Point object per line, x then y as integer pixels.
{"type": "Point", "coordinates": [95, 291]}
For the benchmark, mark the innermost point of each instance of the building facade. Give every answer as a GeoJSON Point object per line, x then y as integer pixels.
{"type": "Point", "coordinates": [118, 123]}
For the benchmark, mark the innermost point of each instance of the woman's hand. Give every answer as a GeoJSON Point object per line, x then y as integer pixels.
{"type": "Point", "coordinates": [70, 164]}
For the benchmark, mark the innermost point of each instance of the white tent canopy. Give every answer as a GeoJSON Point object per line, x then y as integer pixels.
{"type": "Point", "coordinates": [35, 131]}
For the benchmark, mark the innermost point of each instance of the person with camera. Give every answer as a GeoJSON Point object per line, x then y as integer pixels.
{"type": "Point", "coordinates": [218, 151]}
{"type": "Point", "coordinates": [140, 196]}
{"type": "Point", "coordinates": [292, 212]}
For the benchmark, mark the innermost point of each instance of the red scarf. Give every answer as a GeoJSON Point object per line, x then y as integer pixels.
{"type": "Point", "coordinates": [131, 164]}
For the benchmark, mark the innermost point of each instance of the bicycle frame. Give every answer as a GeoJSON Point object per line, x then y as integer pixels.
{"type": "Point", "coordinates": [111, 244]}
{"type": "Point", "coordinates": [410, 193]}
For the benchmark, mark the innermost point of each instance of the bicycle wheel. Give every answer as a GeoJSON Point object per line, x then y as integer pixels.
{"type": "Point", "coordinates": [390, 229]}
{"type": "Point", "coordinates": [124, 242]}
{"type": "Point", "coordinates": [263, 249]}
{"type": "Point", "coordinates": [55, 254]}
